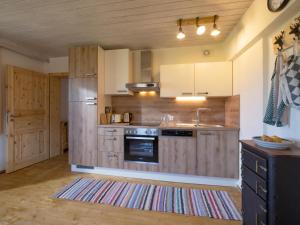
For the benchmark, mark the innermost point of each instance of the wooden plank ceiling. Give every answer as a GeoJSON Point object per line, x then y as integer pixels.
{"type": "Point", "coordinates": [51, 26]}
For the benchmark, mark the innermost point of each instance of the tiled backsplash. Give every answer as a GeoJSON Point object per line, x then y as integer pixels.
{"type": "Point", "coordinates": [152, 108]}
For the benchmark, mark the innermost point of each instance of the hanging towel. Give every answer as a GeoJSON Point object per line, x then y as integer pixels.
{"type": "Point", "coordinates": [290, 83]}
{"type": "Point", "coordinates": [276, 112]}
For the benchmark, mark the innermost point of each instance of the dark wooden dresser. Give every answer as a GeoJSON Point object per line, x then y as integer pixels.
{"type": "Point", "coordinates": [270, 185]}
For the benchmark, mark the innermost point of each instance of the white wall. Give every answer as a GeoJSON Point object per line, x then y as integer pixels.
{"type": "Point", "coordinates": [58, 64]}
{"type": "Point", "coordinates": [12, 58]}
{"type": "Point", "coordinates": [248, 83]}
{"type": "Point", "coordinates": [253, 66]}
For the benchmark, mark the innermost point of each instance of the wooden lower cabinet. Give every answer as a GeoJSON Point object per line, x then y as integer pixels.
{"type": "Point", "coordinates": [151, 167]}
{"type": "Point", "coordinates": [111, 159]}
{"type": "Point", "coordinates": [177, 155]}
{"type": "Point", "coordinates": [83, 134]}
{"type": "Point", "coordinates": [218, 153]}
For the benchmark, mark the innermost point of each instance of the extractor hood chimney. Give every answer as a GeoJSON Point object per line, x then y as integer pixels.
{"type": "Point", "coordinates": [145, 79]}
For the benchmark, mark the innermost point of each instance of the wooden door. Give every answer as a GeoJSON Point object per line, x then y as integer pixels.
{"type": "Point", "coordinates": [83, 133]}
{"type": "Point", "coordinates": [28, 118]}
{"type": "Point", "coordinates": [213, 79]}
{"type": "Point", "coordinates": [177, 80]}
{"type": "Point", "coordinates": [218, 154]}
{"type": "Point", "coordinates": [177, 155]}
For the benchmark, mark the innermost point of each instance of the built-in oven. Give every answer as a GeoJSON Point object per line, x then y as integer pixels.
{"type": "Point", "coordinates": [141, 144]}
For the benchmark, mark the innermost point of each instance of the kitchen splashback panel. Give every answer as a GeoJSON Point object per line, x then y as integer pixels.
{"type": "Point", "coordinates": [152, 108]}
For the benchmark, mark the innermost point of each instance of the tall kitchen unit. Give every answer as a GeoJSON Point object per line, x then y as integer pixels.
{"type": "Point", "coordinates": [86, 102]}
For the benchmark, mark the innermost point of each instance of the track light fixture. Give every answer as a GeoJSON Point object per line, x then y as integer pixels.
{"type": "Point", "coordinates": [200, 24]}
{"type": "Point", "coordinates": [200, 29]}
{"type": "Point", "coordinates": [215, 31]}
{"type": "Point", "coordinates": [180, 34]}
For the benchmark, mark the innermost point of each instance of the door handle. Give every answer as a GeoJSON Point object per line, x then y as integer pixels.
{"type": "Point", "coordinates": [186, 93]}
{"type": "Point", "coordinates": [90, 98]}
{"type": "Point", "coordinates": [91, 103]}
{"type": "Point", "coordinates": [202, 93]}
{"type": "Point", "coordinates": [122, 91]}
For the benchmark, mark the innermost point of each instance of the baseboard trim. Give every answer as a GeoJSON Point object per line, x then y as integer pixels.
{"type": "Point", "coordinates": [178, 178]}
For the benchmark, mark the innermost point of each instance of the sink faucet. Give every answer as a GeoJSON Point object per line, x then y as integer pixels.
{"type": "Point", "coordinates": [198, 110]}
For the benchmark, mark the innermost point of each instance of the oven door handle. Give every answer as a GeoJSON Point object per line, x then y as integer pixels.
{"type": "Point", "coordinates": [141, 138]}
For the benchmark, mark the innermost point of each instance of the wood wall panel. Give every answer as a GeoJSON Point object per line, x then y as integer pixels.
{"type": "Point", "coordinates": [232, 111]}
{"type": "Point", "coordinates": [152, 108]}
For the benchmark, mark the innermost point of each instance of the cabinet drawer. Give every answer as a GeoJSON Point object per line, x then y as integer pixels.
{"type": "Point", "coordinates": [111, 143]}
{"type": "Point", "coordinates": [255, 163]}
{"type": "Point", "coordinates": [253, 207]}
{"type": "Point", "coordinates": [111, 131]}
{"type": "Point", "coordinates": [255, 182]}
{"type": "Point", "coordinates": [111, 159]}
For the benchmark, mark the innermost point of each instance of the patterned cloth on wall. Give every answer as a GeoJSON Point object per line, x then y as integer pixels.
{"type": "Point", "coordinates": [290, 83]}
{"type": "Point", "coordinates": [276, 112]}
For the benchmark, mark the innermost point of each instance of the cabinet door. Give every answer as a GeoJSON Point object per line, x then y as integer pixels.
{"type": "Point", "coordinates": [213, 79]}
{"type": "Point", "coordinates": [117, 71]}
{"type": "Point", "coordinates": [177, 155]}
{"type": "Point", "coordinates": [177, 80]}
{"type": "Point", "coordinates": [218, 154]}
{"type": "Point", "coordinates": [83, 61]}
{"type": "Point", "coordinates": [82, 89]}
{"type": "Point", "coordinates": [111, 159]}
{"type": "Point", "coordinates": [83, 133]}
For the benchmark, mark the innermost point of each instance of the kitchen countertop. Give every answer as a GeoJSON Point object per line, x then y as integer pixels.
{"type": "Point", "coordinates": [127, 125]}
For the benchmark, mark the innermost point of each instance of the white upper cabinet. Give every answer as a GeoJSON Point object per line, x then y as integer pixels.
{"type": "Point", "coordinates": [213, 79]}
{"type": "Point", "coordinates": [118, 71]}
{"type": "Point", "coordinates": [177, 80]}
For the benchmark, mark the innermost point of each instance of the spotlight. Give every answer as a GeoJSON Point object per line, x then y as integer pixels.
{"type": "Point", "coordinates": [200, 29]}
{"type": "Point", "coordinates": [180, 34]}
{"type": "Point", "coordinates": [215, 31]}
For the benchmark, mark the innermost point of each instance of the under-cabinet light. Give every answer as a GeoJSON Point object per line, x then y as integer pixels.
{"type": "Point", "coordinates": [191, 98]}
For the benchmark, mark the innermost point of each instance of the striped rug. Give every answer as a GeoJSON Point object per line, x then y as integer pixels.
{"type": "Point", "coordinates": [195, 202]}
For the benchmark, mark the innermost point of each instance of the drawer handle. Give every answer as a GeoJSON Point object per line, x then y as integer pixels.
{"type": "Point", "coordinates": [111, 131]}
{"type": "Point", "coordinates": [257, 186]}
{"type": "Point", "coordinates": [259, 167]}
{"type": "Point", "coordinates": [110, 139]}
{"type": "Point", "coordinates": [91, 103]}
{"type": "Point", "coordinates": [263, 209]}
{"type": "Point", "coordinates": [206, 134]}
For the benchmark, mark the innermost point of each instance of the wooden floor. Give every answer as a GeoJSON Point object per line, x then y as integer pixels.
{"type": "Point", "coordinates": [25, 198]}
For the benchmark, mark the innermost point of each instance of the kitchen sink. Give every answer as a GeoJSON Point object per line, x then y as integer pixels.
{"type": "Point", "coordinates": [200, 125]}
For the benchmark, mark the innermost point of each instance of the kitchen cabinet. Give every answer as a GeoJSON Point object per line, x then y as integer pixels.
{"type": "Point", "coordinates": [177, 154]}
{"type": "Point", "coordinates": [118, 71]}
{"type": "Point", "coordinates": [210, 79]}
{"type": "Point", "coordinates": [111, 147]}
{"type": "Point", "coordinates": [218, 153]}
{"type": "Point", "coordinates": [177, 80]}
{"type": "Point", "coordinates": [83, 61]}
{"type": "Point", "coordinates": [213, 79]}
{"type": "Point", "coordinates": [83, 133]}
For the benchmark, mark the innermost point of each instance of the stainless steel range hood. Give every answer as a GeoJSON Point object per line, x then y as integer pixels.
{"type": "Point", "coordinates": [144, 79]}
{"type": "Point", "coordinates": [143, 86]}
